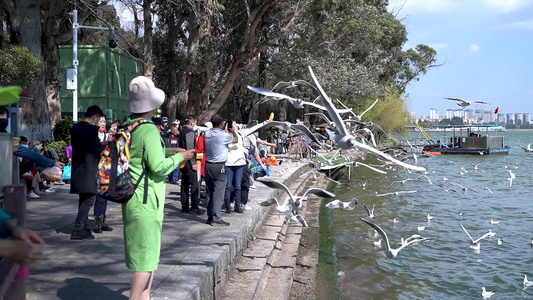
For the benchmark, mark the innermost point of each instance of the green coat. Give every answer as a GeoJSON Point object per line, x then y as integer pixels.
{"type": "Point", "coordinates": [143, 222]}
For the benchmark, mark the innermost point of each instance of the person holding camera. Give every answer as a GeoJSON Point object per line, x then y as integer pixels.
{"type": "Point", "coordinates": [217, 141]}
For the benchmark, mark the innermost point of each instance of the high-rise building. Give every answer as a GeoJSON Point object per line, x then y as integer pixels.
{"type": "Point", "coordinates": [469, 114]}
{"type": "Point", "coordinates": [458, 113]}
{"type": "Point", "coordinates": [500, 118]}
{"type": "Point", "coordinates": [510, 118]}
{"type": "Point", "coordinates": [433, 114]}
{"type": "Point", "coordinates": [449, 113]}
{"type": "Point", "coordinates": [478, 114]}
{"type": "Point", "coordinates": [526, 118]}
{"type": "Point", "coordinates": [487, 117]}
{"type": "Point", "coordinates": [518, 118]}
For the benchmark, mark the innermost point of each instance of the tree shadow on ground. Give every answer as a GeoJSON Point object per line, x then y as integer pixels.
{"type": "Point", "coordinates": [84, 288]}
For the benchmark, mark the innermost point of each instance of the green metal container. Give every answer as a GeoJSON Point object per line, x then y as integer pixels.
{"type": "Point", "coordinates": [103, 78]}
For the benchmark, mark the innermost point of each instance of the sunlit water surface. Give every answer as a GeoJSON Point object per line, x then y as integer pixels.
{"type": "Point", "coordinates": [443, 267]}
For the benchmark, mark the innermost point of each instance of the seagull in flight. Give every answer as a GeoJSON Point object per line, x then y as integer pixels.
{"type": "Point", "coordinates": [475, 242]}
{"type": "Point", "coordinates": [401, 182]}
{"type": "Point", "coordinates": [464, 103]}
{"type": "Point", "coordinates": [394, 193]}
{"type": "Point", "coordinates": [343, 138]}
{"type": "Point", "coordinates": [464, 188]}
{"type": "Point", "coordinates": [390, 252]}
{"type": "Point", "coordinates": [511, 177]}
{"type": "Point", "coordinates": [363, 184]}
{"type": "Point", "coordinates": [358, 117]}
{"type": "Point", "coordinates": [357, 164]}
{"type": "Point", "coordinates": [294, 201]}
{"type": "Point", "coordinates": [528, 149]}
{"type": "Point", "coordinates": [488, 189]}
{"type": "Point", "coordinates": [298, 103]}
{"type": "Point", "coordinates": [369, 213]}
{"type": "Point", "coordinates": [342, 205]}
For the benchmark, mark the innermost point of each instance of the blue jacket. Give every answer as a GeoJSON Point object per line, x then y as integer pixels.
{"type": "Point", "coordinates": [34, 157]}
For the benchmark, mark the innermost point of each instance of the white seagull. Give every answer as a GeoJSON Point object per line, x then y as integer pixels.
{"type": "Point", "coordinates": [369, 213]}
{"type": "Point", "coordinates": [390, 252]}
{"type": "Point", "coordinates": [464, 103]}
{"type": "Point", "coordinates": [527, 282]}
{"type": "Point", "coordinates": [487, 294]}
{"type": "Point", "coordinates": [429, 217]}
{"type": "Point", "coordinates": [488, 189]}
{"type": "Point", "coordinates": [492, 222]}
{"type": "Point", "coordinates": [475, 242]}
{"type": "Point", "coordinates": [342, 205]}
{"type": "Point", "coordinates": [344, 139]}
{"type": "Point", "coordinates": [490, 233]}
{"type": "Point", "coordinates": [528, 149]}
{"type": "Point", "coordinates": [511, 177]}
{"type": "Point", "coordinates": [359, 117]}
{"type": "Point", "coordinates": [499, 241]}
{"type": "Point", "coordinates": [357, 164]}
{"type": "Point", "coordinates": [397, 193]}
{"type": "Point", "coordinates": [420, 228]}
{"type": "Point", "coordinates": [362, 183]}
{"type": "Point", "coordinates": [298, 103]}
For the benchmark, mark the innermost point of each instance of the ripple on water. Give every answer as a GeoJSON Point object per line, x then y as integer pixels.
{"type": "Point", "coordinates": [443, 267]}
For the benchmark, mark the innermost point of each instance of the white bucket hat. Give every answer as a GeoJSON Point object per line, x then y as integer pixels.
{"type": "Point", "coordinates": [144, 96]}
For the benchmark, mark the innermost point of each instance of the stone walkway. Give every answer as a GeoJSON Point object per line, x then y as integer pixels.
{"type": "Point", "coordinates": [195, 257]}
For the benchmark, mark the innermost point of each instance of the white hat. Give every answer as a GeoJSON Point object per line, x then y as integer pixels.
{"type": "Point", "coordinates": [144, 96]}
{"type": "Point", "coordinates": [209, 125]}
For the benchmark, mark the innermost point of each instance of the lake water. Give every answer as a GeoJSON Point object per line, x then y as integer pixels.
{"type": "Point", "coordinates": [443, 267]}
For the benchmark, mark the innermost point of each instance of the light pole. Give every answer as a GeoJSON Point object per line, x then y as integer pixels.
{"type": "Point", "coordinates": [72, 74]}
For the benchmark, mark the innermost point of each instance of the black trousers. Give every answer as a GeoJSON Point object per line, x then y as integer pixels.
{"type": "Point", "coordinates": [86, 201]}
{"type": "Point", "coordinates": [215, 181]}
{"type": "Point", "coordinates": [188, 177]}
{"type": "Point", "coordinates": [246, 183]}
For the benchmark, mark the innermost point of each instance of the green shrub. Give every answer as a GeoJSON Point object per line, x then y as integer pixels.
{"type": "Point", "coordinates": [60, 146]}
{"type": "Point", "coordinates": [62, 130]}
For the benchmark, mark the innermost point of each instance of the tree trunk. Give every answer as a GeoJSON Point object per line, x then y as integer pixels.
{"type": "Point", "coordinates": [172, 101]}
{"type": "Point", "coordinates": [35, 119]}
{"type": "Point", "coordinates": [147, 39]}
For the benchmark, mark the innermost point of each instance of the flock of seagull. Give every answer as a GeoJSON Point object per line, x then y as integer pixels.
{"type": "Point", "coordinates": [345, 141]}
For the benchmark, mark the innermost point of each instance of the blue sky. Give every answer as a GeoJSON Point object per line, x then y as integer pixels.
{"type": "Point", "coordinates": [487, 48]}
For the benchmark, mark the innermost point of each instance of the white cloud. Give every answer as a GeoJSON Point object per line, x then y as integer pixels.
{"type": "Point", "coordinates": [526, 25]}
{"type": "Point", "coordinates": [472, 49]}
{"type": "Point", "coordinates": [505, 6]}
{"type": "Point", "coordinates": [418, 5]}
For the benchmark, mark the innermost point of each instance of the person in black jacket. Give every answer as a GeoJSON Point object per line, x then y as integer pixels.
{"type": "Point", "coordinates": [187, 141]}
{"type": "Point", "coordinates": [86, 149]}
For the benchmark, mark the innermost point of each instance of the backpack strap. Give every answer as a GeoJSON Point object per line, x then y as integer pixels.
{"type": "Point", "coordinates": [144, 173]}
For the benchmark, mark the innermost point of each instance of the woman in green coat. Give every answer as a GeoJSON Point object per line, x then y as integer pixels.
{"type": "Point", "coordinates": [143, 220]}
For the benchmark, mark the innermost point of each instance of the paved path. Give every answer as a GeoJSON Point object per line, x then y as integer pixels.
{"type": "Point", "coordinates": [195, 257]}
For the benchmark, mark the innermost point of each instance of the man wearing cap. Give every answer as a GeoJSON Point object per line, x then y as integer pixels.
{"type": "Point", "coordinates": [151, 162]}
{"type": "Point", "coordinates": [216, 142]}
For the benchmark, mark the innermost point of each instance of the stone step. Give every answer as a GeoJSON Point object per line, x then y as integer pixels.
{"type": "Point", "coordinates": [265, 254]}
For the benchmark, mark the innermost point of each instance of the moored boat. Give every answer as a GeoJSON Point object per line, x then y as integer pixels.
{"type": "Point", "coordinates": [465, 139]}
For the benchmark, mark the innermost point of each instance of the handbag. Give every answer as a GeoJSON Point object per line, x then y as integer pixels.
{"type": "Point", "coordinates": [66, 172]}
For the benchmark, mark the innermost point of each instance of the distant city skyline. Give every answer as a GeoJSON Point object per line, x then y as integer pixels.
{"type": "Point", "coordinates": [483, 45]}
